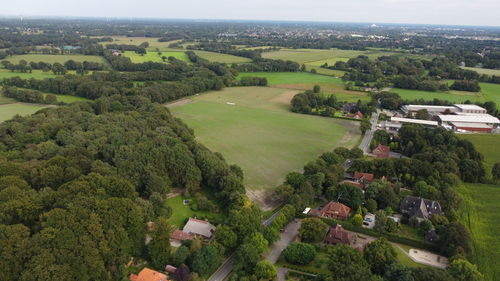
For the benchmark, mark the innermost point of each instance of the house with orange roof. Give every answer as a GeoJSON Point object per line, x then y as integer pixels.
{"type": "Point", "coordinates": [148, 274]}
{"type": "Point", "coordinates": [333, 210]}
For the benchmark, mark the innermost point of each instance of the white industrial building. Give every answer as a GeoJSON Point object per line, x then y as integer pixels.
{"type": "Point", "coordinates": [441, 109]}
{"type": "Point", "coordinates": [396, 122]}
{"type": "Point", "coordinates": [469, 122]}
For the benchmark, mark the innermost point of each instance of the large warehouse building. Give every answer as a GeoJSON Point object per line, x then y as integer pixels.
{"type": "Point", "coordinates": [469, 122]}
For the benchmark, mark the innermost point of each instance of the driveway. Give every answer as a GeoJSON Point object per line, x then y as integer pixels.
{"type": "Point", "coordinates": [286, 238]}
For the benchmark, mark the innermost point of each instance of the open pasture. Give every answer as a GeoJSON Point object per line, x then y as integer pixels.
{"type": "Point", "coordinates": [253, 128]}
{"type": "Point", "coordinates": [488, 145]}
{"type": "Point", "coordinates": [489, 92]}
{"type": "Point", "coordinates": [54, 58]}
{"type": "Point", "coordinates": [481, 214]}
{"type": "Point", "coordinates": [155, 57]}
{"type": "Point", "coordinates": [484, 70]}
{"type": "Point", "coordinates": [7, 111]}
{"type": "Point", "coordinates": [222, 58]}
{"type": "Point", "coordinates": [37, 74]}
{"type": "Point", "coordinates": [152, 41]}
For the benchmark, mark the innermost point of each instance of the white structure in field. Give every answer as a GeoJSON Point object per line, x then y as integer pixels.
{"type": "Point", "coordinates": [459, 117]}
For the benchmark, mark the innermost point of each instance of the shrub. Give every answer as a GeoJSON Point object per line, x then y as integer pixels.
{"type": "Point", "coordinates": [299, 253]}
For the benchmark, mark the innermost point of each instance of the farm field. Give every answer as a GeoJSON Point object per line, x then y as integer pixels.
{"type": "Point", "coordinates": [481, 214]}
{"type": "Point", "coordinates": [302, 81]}
{"type": "Point", "coordinates": [7, 111]}
{"type": "Point", "coordinates": [154, 57]}
{"type": "Point", "coordinates": [54, 58]}
{"type": "Point", "coordinates": [222, 58]}
{"type": "Point", "coordinates": [37, 74]}
{"type": "Point", "coordinates": [153, 42]}
{"type": "Point", "coordinates": [491, 92]}
{"type": "Point", "coordinates": [260, 134]}
{"type": "Point", "coordinates": [487, 144]}
{"type": "Point", "coordinates": [69, 99]}
{"type": "Point", "coordinates": [483, 70]}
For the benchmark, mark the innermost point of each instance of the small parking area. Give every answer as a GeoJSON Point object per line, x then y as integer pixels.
{"type": "Point", "coordinates": [369, 221]}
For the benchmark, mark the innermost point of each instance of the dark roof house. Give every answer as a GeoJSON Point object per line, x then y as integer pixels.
{"type": "Point", "coordinates": [337, 235]}
{"type": "Point", "coordinates": [420, 208]}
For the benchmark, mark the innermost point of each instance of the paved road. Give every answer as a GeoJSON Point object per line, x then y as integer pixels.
{"type": "Point", "coordinates": [226, 267]}
{"type": "Point", "coordinates": [286, 238]}
{"type": "Point", "coordinates": [365, 143]}
{"type": "Point", "coordinates": [282, 274]}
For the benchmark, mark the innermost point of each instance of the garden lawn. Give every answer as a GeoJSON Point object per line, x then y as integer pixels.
{"type": "Point", "coordinates": [222, 58]}
{"type": "Point", "coordinates": [54, 58]}
{"type": "Point", "coordinates": [260, 133]}
{"type": "Point", "coordinates": [481, 214]}
{"type": "Point", "coordinates": [405, 259]}
{"type": "Point", "coordinates": [488, 145]}
{"type": "Point", "coordinates": [7, 111]}
{"type": "Point", "coordinates": [181, 212]}
{"type": "Point", "coordinates": [318, 266]}
{"type": "Point", "coordinates": [154, 57]}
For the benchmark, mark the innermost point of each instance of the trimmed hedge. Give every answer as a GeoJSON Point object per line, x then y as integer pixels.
{"type": "Point", "coordinates": [390, 236]}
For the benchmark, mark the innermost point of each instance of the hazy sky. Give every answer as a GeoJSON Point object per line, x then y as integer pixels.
{"type": "Point", "coordinates": [459, 12]}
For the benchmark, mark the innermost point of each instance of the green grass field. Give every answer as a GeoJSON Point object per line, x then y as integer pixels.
{"type": "Point", "coordinates": [154, 57]}
{"type": "Point", "coordinates": [54, 58]}
{"type": "Point", "coordinates": [153, 42]}
{"type": "Point", "coordinates": [305, 81]}
{"type": "Point", "coordinates": [69, 99]}
{"type": "Point", "coordinates": [7, 111]}
{"type": "Point", "coordinates": [484, 70]}
{"type": "Point", "coordinates": [260, 134]}
{"type": "Point", "coordinates": [488, 145]}
{"type": "Point", "coordinates": [37, 74]}
{"type": "Point", "coordinates": [222, 58]}
{"type": "Point", "coordinates": [405, 259]}
{"type": "Point", "coordinates": [181, 212]}
{"type": "Point", "coordinates": [481, 213]}
{"type": "Point", "coordinates": [489, 92]}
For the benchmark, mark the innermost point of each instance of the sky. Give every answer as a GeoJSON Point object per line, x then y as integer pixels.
{"type": "Point", "coordinates": [453, 12]}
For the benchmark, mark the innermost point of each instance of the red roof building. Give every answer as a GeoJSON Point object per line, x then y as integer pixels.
{"type": "Point", "coordinates": [358, 115]}
{"type": "Point", "coordinates": [381, 151]}
{"type": "Point", "coordinates": [363, 177]}
{"type": "Point", "coordinates": [333, 210]}
{"type": "Point", "coordinates": [147, 274]}
{"type": "Point", "coordinates": [181, 235]}
{"type": "Point", "coordinates": [354, 183]}
{"type": "Point", "coordinates": [337, 235]}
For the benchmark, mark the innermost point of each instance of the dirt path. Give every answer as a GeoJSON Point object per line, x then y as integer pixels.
{"type": "Point", "coordinates": [263, 198]}
{"type": "Point", "coordinates": [178, 103]}
{"type": "Point", "coordinates": [285, 98]}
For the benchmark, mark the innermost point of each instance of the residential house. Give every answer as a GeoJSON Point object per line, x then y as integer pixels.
{"type": "Point", "coordinates": [337, 235]}
{"type": "Point", "coordinates": [420, 208]}
{"type": "Point", "coordinates": [333, 210]}
{"type": "Point", "coordinates": [361, 180]}
{"type": "Point", "coordinates": [381, 151]}
{"type": "Point", "coordinates": [193, 228]}
{"type": "Point", "coordinates": [147, 274]}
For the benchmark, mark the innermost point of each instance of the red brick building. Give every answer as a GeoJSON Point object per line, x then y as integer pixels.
{"type": "Point", "coordinates": [333, 210]}
{"type": "Point", "coordinates": [381, 151]}
{"type": "Point", "coordinates": [337, 235]}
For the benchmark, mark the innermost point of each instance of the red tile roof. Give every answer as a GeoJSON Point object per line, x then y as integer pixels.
{"type": "Point", "coordinates": [360, 185]}
{"type": "Point", "coordinates": [147, 274]}
{"type": "Point", "coordinates": [381, 151]}
{"type": "Point", "coordinates": [365, 176]}
{"type": "Point", "coordinates": [181, 235]}
{"type": "Point", "coordinates": [335, 210]}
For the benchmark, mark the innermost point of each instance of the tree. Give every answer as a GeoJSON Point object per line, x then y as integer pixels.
{"type": "Point", "coordinates": [365, 125]}
{"type": "Point", "coordinates": [180, 256]}
{"type": "Point", "coordinates": [249, 253]}
{"type": "Point", "coordinates": [299, 253]}
{"type": "Point", "coordinates": [312, 229]}
{"type": "Point", "coordinates": [398, 272]}
{"type": "Point", "coordinates": [265, 271]}
{"type": "Point", "coordinates": [431, 273]}
{"type": "Point", "coordinates": [316, 89]}
{"type": "Point", "coordinates": [206, 260]}
{"type": "Point", "coordinates": [380, 221]}
{"type": "Point", "coordinates": [347, 264]}
{"type": "Point", "coordinates": [495, 172]}
{"type": "Point", "coordinates": [379, 254]}
{"type": "Point", "coordinates": [14, 250]}
{"type": "Point", "coordinates": [225, 236]}
{"type": "Point", "coordinates": [423, 114]}
{"type": "Point", "coordinates": [463, 270]}
{"type": "Point", "coordinates": [159, 248]}
{"type": "Point", "coordinates": [452, 237]}
{"type": "Point", "coordinates": [357, 220]}
{"type": "Point", "coordinates": [425, 226]}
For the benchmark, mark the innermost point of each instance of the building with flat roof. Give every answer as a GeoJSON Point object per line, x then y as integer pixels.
{"type": "Point", "coordinates": [469, 122]}
{"type": "Point", "coordinates": [470, 108]}
{"type": "Point", "coordinates": [442, 109]}
{"type": "Point", "coordinates": [396, 122]}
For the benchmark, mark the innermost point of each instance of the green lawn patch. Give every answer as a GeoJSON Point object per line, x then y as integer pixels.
{"type": "Point", "coordinates": [222, 58]}
{"type": "Point", "coordinates": [152, 41]}
{"type": "Point", "coordinates": [405, 259]}
{"type": "Point", "coordinates": [37, 74]}
{"type": "Point", "coordinates": [318, 266]}
{"type": "Point", "coordinates": [7, 111]}
{"type": "Point", "coordinates": [481, 214]}
{"type": "Point", "coordinates": [260, 134]}
{"type": "Point", "coordinates": [54, 58]}
{"type": "Point", "coordinates": [491, 92]}
{"type": "Point", "coordinates": [277, 78]}
{"type": "Point", "coordinates": [181, 213]}
{"type": "Point", "coordinates": [456, 97]}
{"type": "Point", "coordinates": [484, 70]}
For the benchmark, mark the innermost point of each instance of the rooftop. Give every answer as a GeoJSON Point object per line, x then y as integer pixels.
{"type": "Point", "coordinates": [469, 107]}
{"type": "Point", "coordinates": [479, 118]}
{"type": "Point", "coordinates": [414, 121]}
{"type": "Point", "coordinates": [199, 227]}
{"type": "Point", "coordinates": [471, 125]}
